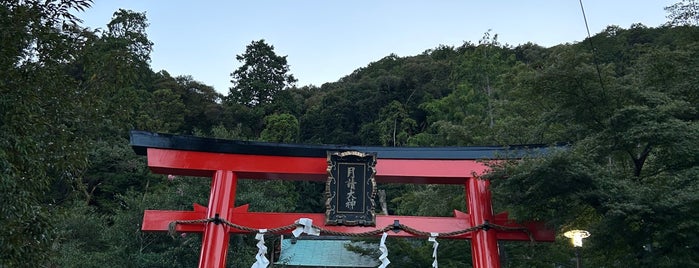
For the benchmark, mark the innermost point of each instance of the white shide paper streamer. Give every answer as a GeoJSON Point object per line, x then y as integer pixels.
{"type": "Point", "coordinates": [261, 257]}
{"type": "Point", "coordinates": [384, 252]}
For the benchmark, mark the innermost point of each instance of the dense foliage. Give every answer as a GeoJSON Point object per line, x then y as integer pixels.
{"type": "Point", "coordinates": [625, 102]}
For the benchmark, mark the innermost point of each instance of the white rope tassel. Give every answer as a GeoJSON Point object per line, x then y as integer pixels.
{"type": "Point", "coordinates": [307, 227]}
{"type": "Point", "coordinates": [384, 252]}
{"type": "Point", "coordinates": [435, 244]}
{"type": "Point", "coordinates": [261, 257]}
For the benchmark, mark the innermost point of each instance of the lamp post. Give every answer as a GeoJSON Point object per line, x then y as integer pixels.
{"type": "Point", "coordinates": [576, 236]}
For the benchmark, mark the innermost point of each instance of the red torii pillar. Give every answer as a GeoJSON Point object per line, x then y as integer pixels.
{"type": "Point", "coordinates": [222, 198]}
{"type": "Point", "coordinates": [484, 243]}
{"type": "Point", "coordinates": [224, 161]}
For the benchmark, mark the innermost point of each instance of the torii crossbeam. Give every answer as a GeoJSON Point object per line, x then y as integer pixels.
{"type": "Point", "coordinates": [225, 161]}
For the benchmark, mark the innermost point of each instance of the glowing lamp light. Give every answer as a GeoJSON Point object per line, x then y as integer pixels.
{"type": "Point", "coordinates": [577, 236]}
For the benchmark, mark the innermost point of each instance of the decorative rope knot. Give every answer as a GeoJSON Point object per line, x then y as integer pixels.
{"type": "Point", "coordinates": [486, 225]}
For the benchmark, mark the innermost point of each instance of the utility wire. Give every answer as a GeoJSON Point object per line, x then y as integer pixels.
{"type": "Point", "coordinates": [592, 47]}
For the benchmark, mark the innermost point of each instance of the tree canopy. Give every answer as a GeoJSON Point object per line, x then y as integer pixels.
{"type": "Point", "coordinates": [262, 75]}
{"type": "Point", "coordinates": [625, 110]}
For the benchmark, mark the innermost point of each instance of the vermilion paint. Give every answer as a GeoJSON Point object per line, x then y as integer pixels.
{"type": "Point", "coordinates": [225, 169]}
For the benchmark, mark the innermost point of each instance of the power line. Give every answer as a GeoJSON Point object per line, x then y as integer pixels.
{"type": "Point", "coordinates": [592, 47]}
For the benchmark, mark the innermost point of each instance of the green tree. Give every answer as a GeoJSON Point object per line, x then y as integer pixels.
{"type": "Point", "coordinates": [459, 119]}
{"type": "Point", "coordinates": [183, 104]}
{"type": "Point", "coordinates": [280, 128]}
{"type": "Point", "coordinates": [626, 174]}
{"type": "Point", "coordinates": [41, 115]}
{"type": "Point", "coordinates": [394, 125]}
{"type": "Point", "coordinates": [262, 75]}
{"type": "Point", "coordinates": [117, 67]}
{"type": "Point", "coordinates": [336, 119]}
{"type": "Point", "coordinates": [165, 113]}
{"type": "Point", "coordinates": [685, 12]}
{"type": "Point", "coordinates": [130, 27]}
{"type": "Point", "coordinates": [113, 71]}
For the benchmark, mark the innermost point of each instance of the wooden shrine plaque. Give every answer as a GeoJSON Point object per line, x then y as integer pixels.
{"type": "Point", "coordinates": [350, 189]}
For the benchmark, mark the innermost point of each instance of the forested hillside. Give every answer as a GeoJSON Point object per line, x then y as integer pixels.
{"type": "Point", "coordinates": [625, 102]}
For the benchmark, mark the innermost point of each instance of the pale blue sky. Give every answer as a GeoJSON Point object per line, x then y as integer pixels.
{"type": "Point", "coordinates": [326, 40]}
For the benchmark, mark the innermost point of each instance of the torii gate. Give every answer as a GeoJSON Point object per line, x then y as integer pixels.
{"type": "Point", "coordinates": [227, 160]}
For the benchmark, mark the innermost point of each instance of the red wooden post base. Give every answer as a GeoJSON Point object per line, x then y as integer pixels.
{"type": "Point", "coordinates": [225, 168]}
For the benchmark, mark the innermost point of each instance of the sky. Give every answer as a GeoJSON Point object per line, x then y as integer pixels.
{"type": "Point", "coordinates": [327, 40]}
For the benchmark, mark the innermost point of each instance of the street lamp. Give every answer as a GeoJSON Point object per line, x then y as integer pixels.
{"type": "Point", "coordinates": [576, 236]}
